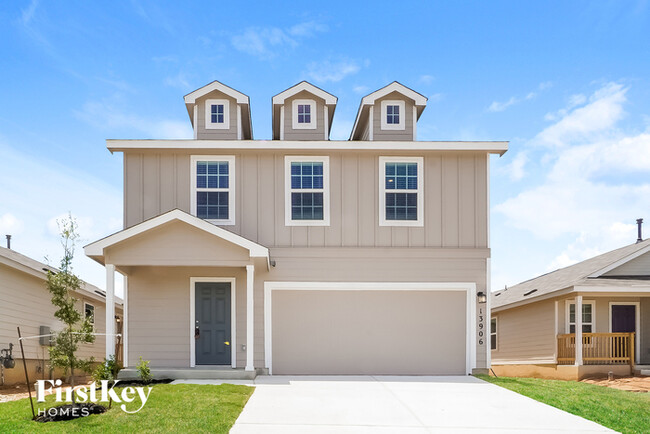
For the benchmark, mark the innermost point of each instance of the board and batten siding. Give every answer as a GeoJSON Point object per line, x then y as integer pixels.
{"type": "Point", "coordinates": [526, 334]}
{"type": "Point", "coordinates": [26, 303]}
{"type": "Point", "coordinates": [455, 198]}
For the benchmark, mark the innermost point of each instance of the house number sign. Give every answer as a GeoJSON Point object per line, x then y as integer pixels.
{"type": "Point", "coordinates": [481, 326]}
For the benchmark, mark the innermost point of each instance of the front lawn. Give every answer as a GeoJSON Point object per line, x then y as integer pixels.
{"type": "Point", "coordinates": [170, 408]}
{"type": "Point", "coordinates": [627, 412]}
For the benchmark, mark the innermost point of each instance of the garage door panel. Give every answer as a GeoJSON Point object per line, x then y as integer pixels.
{"type": "Point", "coordinates": [368, 332]}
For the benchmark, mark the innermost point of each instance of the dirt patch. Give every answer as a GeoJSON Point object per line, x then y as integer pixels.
{"type": "Point", "coordinates": [632, 384]}
{"type": "Point", "coordinates": [19, 391]}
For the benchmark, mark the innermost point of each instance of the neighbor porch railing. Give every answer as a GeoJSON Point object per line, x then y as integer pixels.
{"type": "Point", "coordinates": [597, 349]}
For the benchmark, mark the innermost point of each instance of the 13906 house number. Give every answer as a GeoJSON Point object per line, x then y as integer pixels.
{"type": "Point", "coordinates": [481, 326]}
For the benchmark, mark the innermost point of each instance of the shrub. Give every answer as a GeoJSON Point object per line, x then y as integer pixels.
{"type": "Point", "coordinates": [144, 371]}
{"type": "Point", "coordinates": [108, 370]}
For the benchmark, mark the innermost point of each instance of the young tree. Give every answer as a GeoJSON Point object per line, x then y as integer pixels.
{"type": "Point", "coordinates": [77, 329]}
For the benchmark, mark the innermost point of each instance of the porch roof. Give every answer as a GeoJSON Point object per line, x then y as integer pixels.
{"type": "Point", "coordinates": [585, 276]}
{"type": "Point", "coordinates": [98, 249]}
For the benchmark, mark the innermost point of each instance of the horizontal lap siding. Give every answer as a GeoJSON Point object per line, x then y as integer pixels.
{"type": "Point", "coordinates": [455, 199]}
{"type": "Point", "coordinates": [526, 333]}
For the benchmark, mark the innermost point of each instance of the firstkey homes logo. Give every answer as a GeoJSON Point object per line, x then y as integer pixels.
{"type": "Point", "coordinates": [135, 397]}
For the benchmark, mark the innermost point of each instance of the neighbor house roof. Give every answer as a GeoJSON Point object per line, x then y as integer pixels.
{"type": "Point", "coordinates": [586, 273]}
{"type": "Point", "coordinates": [18, 261]}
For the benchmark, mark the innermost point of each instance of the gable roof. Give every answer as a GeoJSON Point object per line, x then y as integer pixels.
{"type": "Point", "coordinates": [191, 97]}
{"type": "Point", "coordinates": [304, 86]}
{"type": "Point", "coordinates": [419, 100]}
{"type": "Point", "coordinates": [588, 272]}
{"type": "Point", "coordinates": [95, 250]}
{"type": "Point", "coordinates": [23, 263]}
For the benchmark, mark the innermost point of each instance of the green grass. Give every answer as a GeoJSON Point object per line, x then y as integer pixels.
{"type": "Point", "coordinates": [620, 410]}
{"type": "Point", "coordinates": [170, 408]}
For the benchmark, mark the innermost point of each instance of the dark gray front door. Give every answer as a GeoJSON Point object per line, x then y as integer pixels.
{"type": "Point", "coordinates": [212, 327]}
{"type": "Point", "coordinates": [623, 318]}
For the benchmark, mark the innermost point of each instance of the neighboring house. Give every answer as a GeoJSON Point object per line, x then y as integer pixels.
{"type": "Point", "coordinates": [26, 303]}
{"type": "Point", "coordinates": [301, 255]}
{"type": "Point", "coordinates": [535, 327]}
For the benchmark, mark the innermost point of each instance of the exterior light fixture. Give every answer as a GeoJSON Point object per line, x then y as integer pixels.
{"type": "Point", "coordinates": [482, 298]}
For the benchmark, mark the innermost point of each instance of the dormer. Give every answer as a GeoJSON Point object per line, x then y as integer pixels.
{"type": "Point", "coordinates": [390, 113]}
{"type": "Point", "coordinates": [303, 112]}
{"type": "Point", "coordinates": [219, 112]}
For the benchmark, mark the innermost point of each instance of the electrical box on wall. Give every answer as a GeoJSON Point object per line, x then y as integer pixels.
{"type": "Point", "coordinates": [46, 341]}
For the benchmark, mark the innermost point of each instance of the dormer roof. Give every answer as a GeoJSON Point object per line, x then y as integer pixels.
{"type": "Point", "coordinates": [304, 86]}
{"type": "Point", "coordinates": [240, 98]}
{"type": "Point", "coordinates": [419, 100]}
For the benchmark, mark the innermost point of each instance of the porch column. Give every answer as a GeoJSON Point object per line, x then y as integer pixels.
{"type": "Point", "coordinates": [110, 310]}
{"type": "Point", "coordinates": [578, 330]}
{"type": "Point", "coordinates": [250, 313]}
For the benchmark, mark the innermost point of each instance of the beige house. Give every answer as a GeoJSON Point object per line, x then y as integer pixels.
{"type": "Point", "coordinates": [302, 255]}
{"type": "Point", "coordinates": [534, 326]}
{"type": "Point", "coordinates": [25, 303]}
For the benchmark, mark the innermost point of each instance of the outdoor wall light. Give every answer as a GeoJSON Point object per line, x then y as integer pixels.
{"type": "Point", "coordinates": [482, 298]}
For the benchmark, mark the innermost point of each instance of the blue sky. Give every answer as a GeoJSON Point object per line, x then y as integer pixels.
{"type": "Point", "coordinates": [567, 83]}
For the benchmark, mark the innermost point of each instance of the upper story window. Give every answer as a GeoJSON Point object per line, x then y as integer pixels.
{"type": "Point", "coordinates": [392, 115]}
{"type": "Point", "coordinates": [217, 114]}
{"type": "Point", "coordinates": [401, 191]}
{"type": "Point", "coordinates": [307, 191]}
{"type": "Point", "coordinates": [213, 189]}
{"type": "Point", "coordinates": [588, 313]}
{"type": "Point", "coordinates": [89, 313]}
{"type": "Point", "coordinates": [304, 114]}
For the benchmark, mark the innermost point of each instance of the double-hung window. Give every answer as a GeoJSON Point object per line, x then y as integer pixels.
{"type": "Point", "coordinates": [392, 115]}
{"type": "Point", "coordinates": [213, 189]}
{"type": "Point", "coordinates": [588, 313]}
{"type": "Point", "coordinates": [217, 114]}
{"type": "Point", "coordinates": [304, 114]}
{"type": "Point", "coordinates": [493, 333]}
{"type": "Point", "coordinates": [401, 191]}
{"type": "Point", "coordinates": [307, 191]}
{"type": "Point", "coordinates": [89, 313]}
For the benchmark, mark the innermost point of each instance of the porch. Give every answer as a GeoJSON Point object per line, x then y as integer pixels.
{"type": "Point", "coordinates": [597, 349]}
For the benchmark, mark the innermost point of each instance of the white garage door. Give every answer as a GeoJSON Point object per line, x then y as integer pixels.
{"type": "Point", "coordinates": [386, 332]}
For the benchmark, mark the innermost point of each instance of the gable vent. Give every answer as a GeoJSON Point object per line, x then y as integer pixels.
{"type": "Point", "coordinates": [530, 292]}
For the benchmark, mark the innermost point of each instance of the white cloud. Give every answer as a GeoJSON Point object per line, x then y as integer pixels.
{"type": "Point", "coordinates": [516, 170]}
{"type": "Point", "coordinates": [179, 81]}
{"type": "Point", "coordinates": [427, 79]}
{"type": "Point", "coordinates": [34, 208]}
{"type": "Point", "coordinates": [105, 115]}
{"type": "Point", "coordinates": [332, 71]}
{"type": "Point", "coordinates": [498, 106]}
{"type": "Point", "coordinates": [28, 13]}
{"type": "Point", "coordinates": [597, 183]}
{"type": "Point", "coordinates": [436, 97]}
{"type": "Point", "coordinates": [265, 42]}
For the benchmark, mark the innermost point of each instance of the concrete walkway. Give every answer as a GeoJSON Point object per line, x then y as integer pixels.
{"type": "Point", "coordinates": [383, 404]}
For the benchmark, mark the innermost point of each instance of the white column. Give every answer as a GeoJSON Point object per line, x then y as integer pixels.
{"type": "Point", "coordinates": [578, 330]}
{"type": "Point", "coordinates": [110, 310]}
{"type": "Point", "coordinates": [250, 313]}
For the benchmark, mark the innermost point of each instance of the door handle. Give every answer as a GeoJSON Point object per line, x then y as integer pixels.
{"type": "Point", "coordinates": [197, 332]}
{"type": "Point", "coordinates": [227, 343]}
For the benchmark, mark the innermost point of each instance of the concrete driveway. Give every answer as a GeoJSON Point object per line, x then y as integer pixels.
{"type": "Point", "coordinates": [383, 404]}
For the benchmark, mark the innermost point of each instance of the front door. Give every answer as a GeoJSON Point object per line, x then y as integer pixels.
{"type": "Point", "coordinates": [212, 327]}
{"type": "Point", "coordinates": [623, 318]}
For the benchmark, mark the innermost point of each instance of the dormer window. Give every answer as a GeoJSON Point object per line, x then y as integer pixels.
{"type": "Point", "coordinates": [217, 114]}
{"type": "Point", "coordinates": [392, 115]}
{"type": "Point", "coordinates": [304, 114]}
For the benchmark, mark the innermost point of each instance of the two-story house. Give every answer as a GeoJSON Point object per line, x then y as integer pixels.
{"type": "Point", "coordinates": [303, 255]}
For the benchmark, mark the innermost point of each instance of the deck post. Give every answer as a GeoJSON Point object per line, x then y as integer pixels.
{"type": "Point", "coordinates": [250, 313]}
{"type": "Point", "coordinates": [578, 323]}
{"type": "Point", "coordinates": [110, 310]}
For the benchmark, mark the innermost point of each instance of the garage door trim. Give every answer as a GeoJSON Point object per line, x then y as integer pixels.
{"type": "Point", "coordinates": [468, 287]}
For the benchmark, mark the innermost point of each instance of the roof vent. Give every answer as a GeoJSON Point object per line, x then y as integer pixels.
{"type": "Point", "coordinates": [9, 240]}
{"type": "Point", "coordinates": [530, 292]}
{"type": "Point", "coordinates": [497, 294]}
{"type": "Point", "coordinates": [639, 223]}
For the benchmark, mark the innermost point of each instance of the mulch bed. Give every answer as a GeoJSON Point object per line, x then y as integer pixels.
{"type": "Point", "coordinates": [70, 411]}
{"type": "Point", "coordinates": [140, 383]}
{"type": "Point", "coordinates": [631, 384]}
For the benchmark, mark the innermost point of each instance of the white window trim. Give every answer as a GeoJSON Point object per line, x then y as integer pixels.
{"type": "Point", "coordinates": [383, 191]}
{"type": "Point", "coordinates": [468, 287]}
{"type": "Point", "coordinates": [233, 312]}
{"type": "Point", "coordinates": [495, 333]}
{"type": "Point", "coordinates": [94, 313]}
{"type": "Point", "coordinates": [288, 221]}
{"type": "Point", "coordinates": [637, 325]}
{"type": "Point", "coordinates": [402, 115]}
{"type": "Point", "coordinates": [208, 114]}
{"type": "Point", "coordinates": [313, 118]}
{"type": "Point", "coordinates": [231, 186]}
{"type": "Point", "coordinates": [567, 324]}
